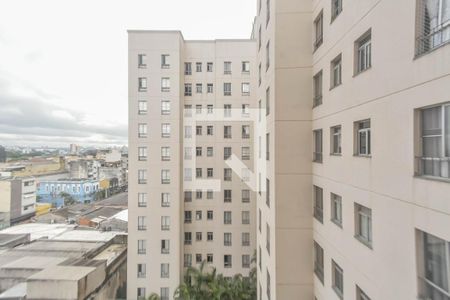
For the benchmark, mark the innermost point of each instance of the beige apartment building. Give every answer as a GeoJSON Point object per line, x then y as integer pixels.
{"type": "Point", "coordinates": [349, 150]}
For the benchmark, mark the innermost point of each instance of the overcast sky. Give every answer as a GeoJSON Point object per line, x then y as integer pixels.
{"type": "Point", "coordinates": [63, 63]}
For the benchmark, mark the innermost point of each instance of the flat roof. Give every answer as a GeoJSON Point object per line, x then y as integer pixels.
{"type": "Point", "coordinates": [62, 273]}
{"type": "Point", "coordinates": [39, 230]}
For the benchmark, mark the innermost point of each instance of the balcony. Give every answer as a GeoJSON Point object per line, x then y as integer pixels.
{"type": "Point", "coordinates": [438, 37]}
{"type": "Point", "coordinates": [433, 167]}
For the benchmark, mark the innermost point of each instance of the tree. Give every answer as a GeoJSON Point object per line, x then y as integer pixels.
{"type": "Point", "coordinates": [153, 296]}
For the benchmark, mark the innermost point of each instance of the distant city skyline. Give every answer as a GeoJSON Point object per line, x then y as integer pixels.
{"type": "Point", "coordinates": [63, 81]}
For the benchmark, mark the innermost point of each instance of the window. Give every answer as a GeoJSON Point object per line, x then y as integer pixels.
{"type": "Point", "coordinates": [227, 239]}
{"type": "Point", "coordinates": [318, 204]}
{"type": "Point", "coordinates": [165, 222]}
{"type": "Point", "coordinates": [434, 142]}
{"type": "Point", "coordinates": [336, 140]}
{"type": "Point", "coordinates": [268, 284]}
{"type": "Point", "coordinates": [267, 146]}
{"type": "Point", "coordinates": [210, 130]}
{"type": "Point", "coordinates": [198, 194]}
{"type": "Point", "coordinates": [245, 153]}
{"type": "Point", "coordinates": [187, 153]}
{"type": "Point", "coordinates": [245, 67]}
{"type": "Point", "coordinates": [336, 71]}
{"type": "Point", "coordinates": [363, 47]}
{"type": "Point", "coordinates": [187, 216]}
{"type": "Point", "coordinates": [317, 89]}
{"type": "Point", "coordinates": [142, 61]}
{"type": "Point", "coordinates": [187, 174]}
{"type": "Point", "coordinates": [227, 261]}
{"type": "Point", "coordinates": [227, 132]}
{"type": "Point", "coordinates": [227, 196]}
{"type": "Point", "coordinates": [260, 257]}
{"type": "Point", "coordinates": [142, 246]}
{"type": "Point", "coordinates": [187, 196]}
{"type": "Point", "coordinates": [198, 173]}
{"type": "Point", "coordinates": [337, 275]}
{"type": "Point", "coordinates": [142, 84]}
{"type": "Point", "coordinates": [363, 138]}
{"type": "Point", "coordinates": [188, 89]}
{"type": "Point", "coordinates": [142, 176]}
{"type": "Point", "coordinates": [209, 67]}
{"type": "Point", "coordinates": [318, 30]}
{"type": "Point", "coordinates": [227, 67]}
{"type": "Point", "coordinates": [187, 260]}
{"type": "Point", "coordinates": [165, 84]}
{"type": "Point", "coordinates": [142, 130]}
{"type": "Point", "coordinates": [227, 217]}
{"type": "Point", "coordinates": [209, 258]}
{"type": "Point", "coordinates": [209, 88]}
{"type": "Point", "coordinates": [227, 174]}
{"type": "Point", "coordinates": [165, 200]}
{"type": "Point", "coordinates": [259, 38]}
{"type": "Point", "coordinates": [245, 88]}
{"type": "Point", "coordinates": [267, 20]}
{"type": "Point", "coordinates": [142, 199]}
{"type": "Point", "coordinates": [245, 261]}
{"type": "Point", "coordinates": [165, 107]}
{"type": "Point", "coordinates": [164, 270]}
{"type": "Point", "coordinates": [318, 261]}
{"type": "Point", "coordinates": [245, 131]}
{"type": "Point", "coordinates": [433, 28]}
{"type": "Point", "coordinates": [209, 215]}
{"type": "Point", "coordinates": [268, 238]}
{"type": "Point", "coordinates": [209, 108]}
{"type": "Point", "coordinates": [198, 258]}
{"type": "Point", "coordinates": [142, 153]}
{"type": "Point", "coordinates": [267, 192]}
{"type": "Point", "coordinates": [245, 217]}
{"type": "Point", "coordinates": [165, 153]}
{"type": "Point", "coordinates": [227, 89]}
{"type": "Point", "coordinates": [198, 130]}
{"type": "Point", "coordinates": [267, 56]}
{"type": "Point", "coordinates": [317, 157]}
{"type": "Point", "coordinates": [165, 246]}
{"type": "Point", "coordinates": [336, 9]}
{"type": "Point", "coordinates": [198, 236]}
{"type": "Point", "coordinates": [259, 75]}
{"type": "Point", "coordinates": [164, 294]}
{"type": "Point", "coordinates": [245, 196]}
{"type": "Point", "coordinates": [165, 62]}
{"type": "Point", "coordinates": [209, 172]}
{"type": "Point", "coordinates": [209, 194]}
{"type": "Point", "coordinates": [198, 67]}
{"type": "Point", "coordinates": [363, 224]}
{"type": "Point", "coordinates": [209, 151]}
{"type": "Point", "coordinates": [141, 272]}
{"type": "Point", "coordinates": [360, 295]}
{"type": "Point", "coordinates": [336, 209]}
{"type": "Point", "coordinates": [165, 176]}
{"type": "Point", "coordinates": [433, 266]}
{"type": "Point", "coordinates": [188, 238]}
{"type": "Point", "coordinates": [141, 223]}
{"type": "Point", "coordinates": [246, 239]}
{"type": "Point", "coordinates": [165, 130]}
{"type": "Point", "coordinates": [141, 293]}
{"type": "Point", "coordinates": [142, 107]}
{"type": "Point", "coordinates": [227, 110]}
{"type": "Point", "coordinates": [188, 68]}
{"type": "Point", "coordinates": [209, 236]}
{"type": "Point", "coordinates": [198, 88]}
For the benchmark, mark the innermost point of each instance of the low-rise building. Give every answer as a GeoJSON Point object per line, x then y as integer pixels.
{"type": "Point", "coordinates": [17, 200]}
{"type": "Point", "coordinates": [67, 191]}
{"type": "Point", "coordinates": [84, 169]}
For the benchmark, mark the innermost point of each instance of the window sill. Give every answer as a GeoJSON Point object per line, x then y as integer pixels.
{"type": "Point", "coordinates": [416, 56]}
{"type": "Point", "coordinates": [364, 242]}
{"type": "Point", "coordinates": [337, 223]}
{"type": "Point", "coordinates": [360, 72]}
{"type": "Point", "coordinates": [317, 161]}
{"type": "Point", "coordinates": [335, 86]}
{"type": "Point", "coordinates": [336, 154]}
{"type": "Point", "coordinates": [363, 155]}
{"type": "Point", "coordinates": [432, 178]}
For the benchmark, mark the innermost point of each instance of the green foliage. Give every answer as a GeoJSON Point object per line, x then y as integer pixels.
{"type": "Point", "coordinates": [68, 199]}
{"type": "Point", "coordinates": [200, 284]}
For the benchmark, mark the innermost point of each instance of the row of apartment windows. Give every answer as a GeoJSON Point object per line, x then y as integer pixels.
{"type": "Point", "coordinates": [142, 223]}
{"type": "Point", "coordinates": [337, 274]}
{"type": "Point", "coordinates": [227, 67]}
{"type": "Point", "coordinates": [143, 199]}
{"type": "Point", "coordinates": [245, 238]}
{"type": "Point", "coordinates": [164, 293]}
{"type": "Point", "coordinates": [362, 215]}
{"type": "Point", "coordinates": [363, 61]}
{"type": "Point", "coordinates": [227, 220]}
{"type": "Point", "coordinates": [166, 131]}
{"type": "Point", "coordinates": [142, 270]}
{"type": "Point", "coordinates": [142, 61]}
{"type": "Point", "coordinates": [227, 110]}
{"type": "Point", "coordinates": [227, 174]}
{"type": "Point", "coordinates": [228, 260]}
{"type": "Point", "coordinates": [362, 146]}
{"type": "Point", "coordinates": [227, 195]}
{"type": "Point", "coordinates": [227, 88]}
{"type": "Point", "coordinates": [166, 154]}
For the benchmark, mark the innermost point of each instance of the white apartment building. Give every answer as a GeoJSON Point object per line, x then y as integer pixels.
{"type": "Point", "coordinates": [190, 108]}
{"type": "Point", "coordinates": [352, 166]}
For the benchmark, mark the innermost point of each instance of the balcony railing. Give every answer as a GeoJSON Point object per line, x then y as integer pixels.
{"type": "Point", "coordinates": [436, 38]}
{"type": "Point", "coordinates": [433, 167]}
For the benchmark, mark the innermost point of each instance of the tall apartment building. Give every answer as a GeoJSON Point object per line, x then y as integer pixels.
{"type": "Point", "coordinates": [352, 193]}
{"type": "Point", "coordinates": [191, 157]}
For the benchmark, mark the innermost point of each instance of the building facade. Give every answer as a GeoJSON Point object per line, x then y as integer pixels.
{"type": "Point", "coordinates": [59, 192]}
{"type": "Point", "coordinates": [17, 200]}
{"type": "Point", "coordinates": [351, 160]}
